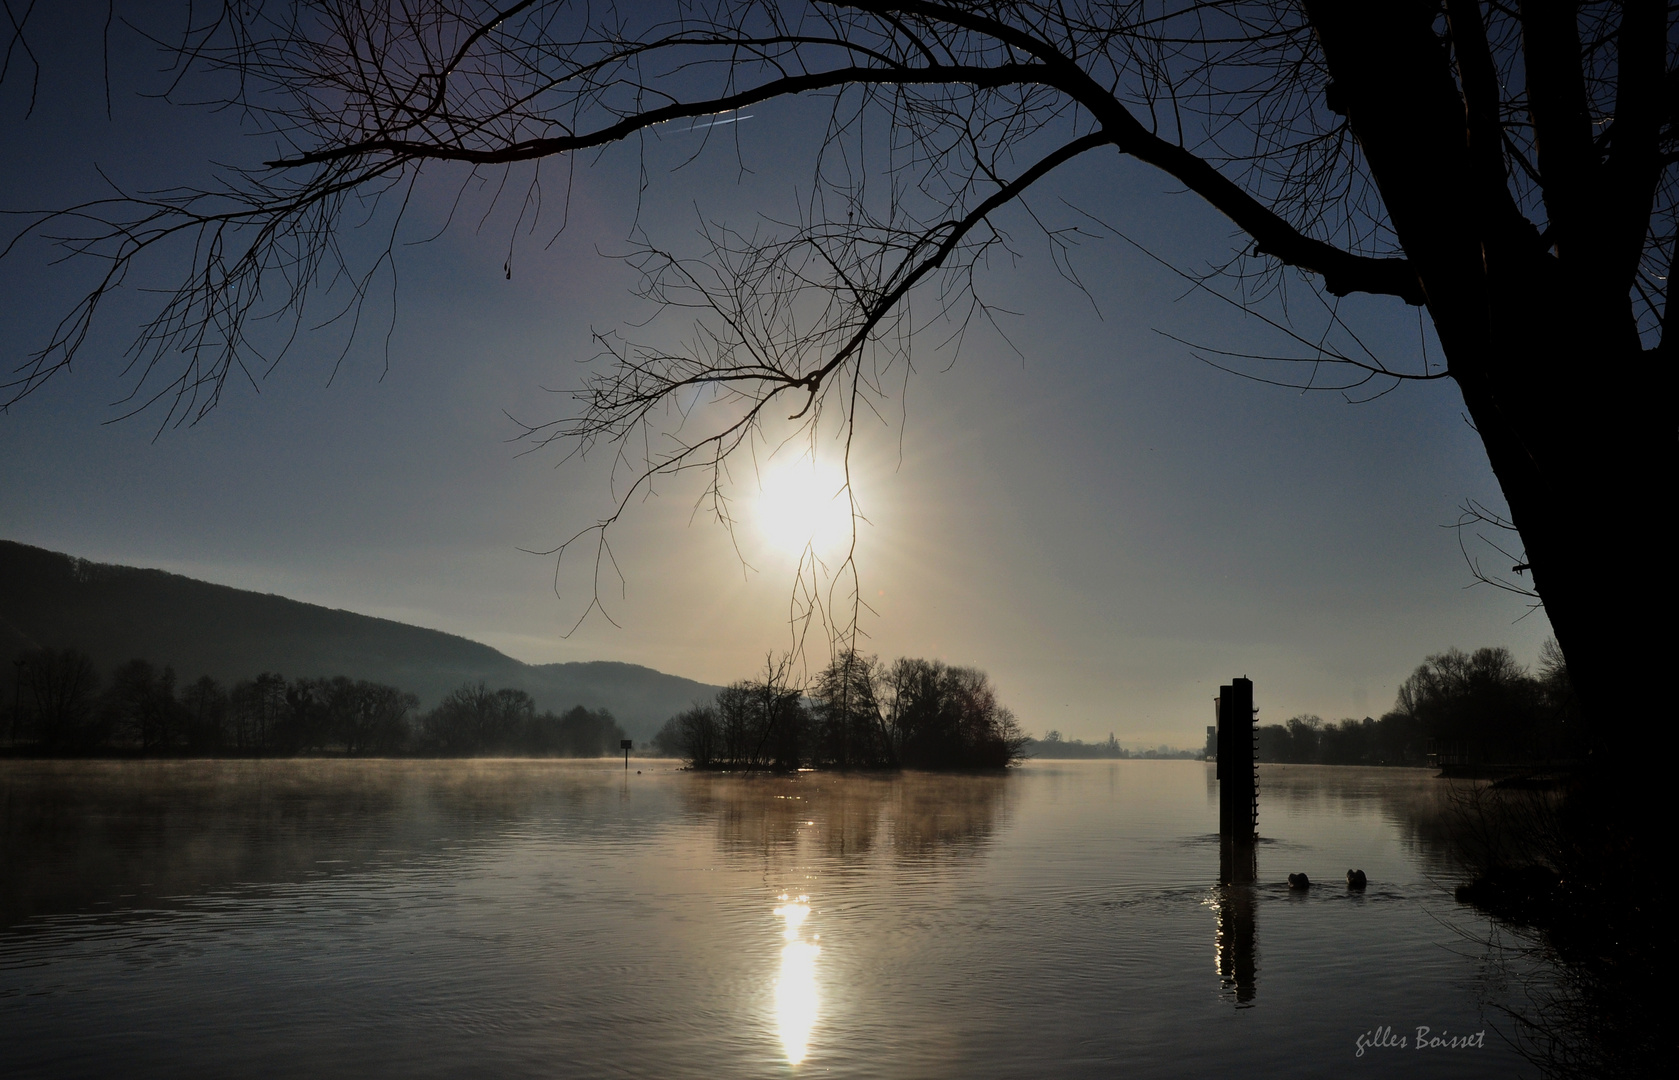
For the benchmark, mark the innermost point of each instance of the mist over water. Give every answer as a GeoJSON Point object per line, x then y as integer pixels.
{"type": "Point", "coordinates": [540, 918]}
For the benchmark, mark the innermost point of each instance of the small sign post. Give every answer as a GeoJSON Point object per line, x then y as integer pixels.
{"type": "Point", "coordinates": [625, 746]}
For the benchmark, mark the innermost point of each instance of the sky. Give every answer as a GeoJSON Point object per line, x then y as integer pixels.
{"type": "Point", "coordinates": [1108, 526]}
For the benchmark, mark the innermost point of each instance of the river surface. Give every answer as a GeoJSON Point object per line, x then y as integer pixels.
{"type": "Point", "coordinates": [569, 919]}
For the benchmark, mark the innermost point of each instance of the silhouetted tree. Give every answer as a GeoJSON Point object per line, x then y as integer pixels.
{"type": "Point", "coordinates": [1055, 745]}
{"type": "Point", "coordinates": [1400, 740]}
{"type": "Point", "coordinates": [779, 717]}
{"type": "Point", "coordinates": [760, 723]}
{"type": "Point", "coordinates": [1482, 705]}
{"type": "Point", "coordinates": [204, 708]}
{"type": "Point", "coordinates": [477, 720]}
{"type": "Point", "coordinates": [943, 717]}
{"type": "Point", "coordinates": [256, 709]}
{"type": "Point", "coordinates": [61, 687]}
{"type": "Point", "coordinates": [580, 732]}
{"type": "Point", "coordinates": [1350, 742]}
{"type": "Point", "coordinates": [1395, 739]}
{"type": "Point", "coordinates": [304, 723]}
{"type": "Point", "coordinates": [735, 729]}
{"type": "Point", "coordinates": [1474, 708]}
{"type": "Point", "coordinates": [694, 734]}
{"type": "Point", "coordinates": [365, 717]}
{"type": "Point", "coordinates": [383, 720]}
{"type": "Point", "coordinates": [845, 710]}
{"type": "Point", "coordinates": [141, 707]}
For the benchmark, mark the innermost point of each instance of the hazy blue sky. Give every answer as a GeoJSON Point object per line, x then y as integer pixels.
{"type": "Point", "coordinates": [1108, 526]}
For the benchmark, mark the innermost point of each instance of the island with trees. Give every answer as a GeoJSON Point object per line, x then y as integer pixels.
{"type": "Point", "coordinates": [859, 713]}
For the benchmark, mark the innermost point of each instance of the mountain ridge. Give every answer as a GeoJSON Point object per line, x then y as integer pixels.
{"type": "Point", "coordinates": [116, 613]}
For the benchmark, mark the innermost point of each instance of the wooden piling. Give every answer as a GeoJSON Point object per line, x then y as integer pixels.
{"type": "Point", "coordinates": [1238, 772]}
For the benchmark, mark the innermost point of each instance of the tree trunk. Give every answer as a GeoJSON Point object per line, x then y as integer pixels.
{"type": "Point", "coordinates": [1575, 415]}
{"type": "Point", "coordinates": [1574, 428]}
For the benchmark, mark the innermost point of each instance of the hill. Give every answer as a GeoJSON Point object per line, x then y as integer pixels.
{"type": "Point", "coordinates": [116, 613]}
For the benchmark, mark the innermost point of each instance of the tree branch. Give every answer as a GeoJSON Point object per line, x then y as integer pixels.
{"type": "Point", "coordinates": [532, 149]}
{"type": "Point", "coordinates": [1343, 272]}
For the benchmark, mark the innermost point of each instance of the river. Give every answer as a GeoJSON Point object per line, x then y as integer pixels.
{"type": "Point", "coordinates": [571, 919]}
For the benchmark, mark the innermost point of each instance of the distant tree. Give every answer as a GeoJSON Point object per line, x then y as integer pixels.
{"type": "Point", "coordinates": [1395, 739]}
{"type": "Point", "coordinates": [384, 726]}
{"type": "Point", "coordinates": [694, 734]}
{"type": "Point", "coordinates": [337, 705]}
{"type": "Point", "coordinates": [474, 719]}
{"type": "Point", "coordinates": [1055, 745]}
{"type": "Point", "coordinates": [911, 702]}
{"type": "Point", "coordinates": [759, 723]}
{"type": "Point", "coordinates": [62, 688]}
{"type": "Point", "coordinates": [1399, 740]}
{"type": "Point", "coordinates": [735, 728]}
{"type": "Point", "coordinates": [845, 710]}
{"type": "Point", "coordinates": [1483, 705]}
{"type": "Point", "coordinates": [943, 717]}
{"type": "Point", "coordinates": [1274, 743]}
{"type": "Point", "coordinates": [778, 717]}
{"type": "Point", "coordinates": [140, 702]}
{"type": "Point", "coordinates": [365, 717]}
{"type": "Point", "coordinates": [1304, 734]}
{"type": "Point", "coordinates": [256, 709]}
{"type": "Point", "coordinates": [541, 736]}
{"type": "Point", "coordinates": [668, 739]}
{"type": "Point", "coordinates": [1347, 742]}
{"type": "Point", "coordinates": [205, 707]}
{"type": "Point", "coordinates": [586, 733]}
{"type": "Point", "coordinates": [304, 724]}
{"type": "Point", "coordinates": [1477, 707]}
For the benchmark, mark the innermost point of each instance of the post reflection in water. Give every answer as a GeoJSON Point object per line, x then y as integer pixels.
{"type": "Point", "coordinates": [1236, 932]}
{"type": "Point", "coordinates": [795, 987]}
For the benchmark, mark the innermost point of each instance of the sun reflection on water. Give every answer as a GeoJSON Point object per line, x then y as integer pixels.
{"type": "Point", "coordinates": [795, 986]}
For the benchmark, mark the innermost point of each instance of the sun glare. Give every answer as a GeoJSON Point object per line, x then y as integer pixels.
{"type": "Point", "coordinates": [795, 985]}
{"type": "Point", "coordinates": [803, 502]}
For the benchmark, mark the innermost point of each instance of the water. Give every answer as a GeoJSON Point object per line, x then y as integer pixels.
{"type": "Point", "coordinates": [419, 919]}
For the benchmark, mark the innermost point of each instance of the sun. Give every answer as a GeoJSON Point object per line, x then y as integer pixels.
{"type": "Point", "coordinates": [802, 503]}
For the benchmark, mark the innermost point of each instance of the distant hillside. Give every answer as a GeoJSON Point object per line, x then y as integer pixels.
{"type": "Point", "coordinates": [117, 613]}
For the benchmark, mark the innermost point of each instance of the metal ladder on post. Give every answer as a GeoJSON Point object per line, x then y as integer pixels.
{"type": "Point", "coordinates": [1256, 780]}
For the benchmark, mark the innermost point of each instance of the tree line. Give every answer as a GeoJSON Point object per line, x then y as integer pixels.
{"type": "Point", "coordinates": [61, 705]}
{"type": "Point", "coordinates": [1457, 708]}
{"type": "Point", "coordinates": [1054, 745]}
{"type": "Point", "coordinates": [858, 713]}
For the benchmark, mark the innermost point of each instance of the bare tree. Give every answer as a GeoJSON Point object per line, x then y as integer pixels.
{"type": "Point", "coordinates": [1509, 167]}
{"type": "Point", "coordinates": [63, 685]}
{"type": "Point", "coordinates": [257, 708]}
{"type": "Point", "coordinates": [849, 727]}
